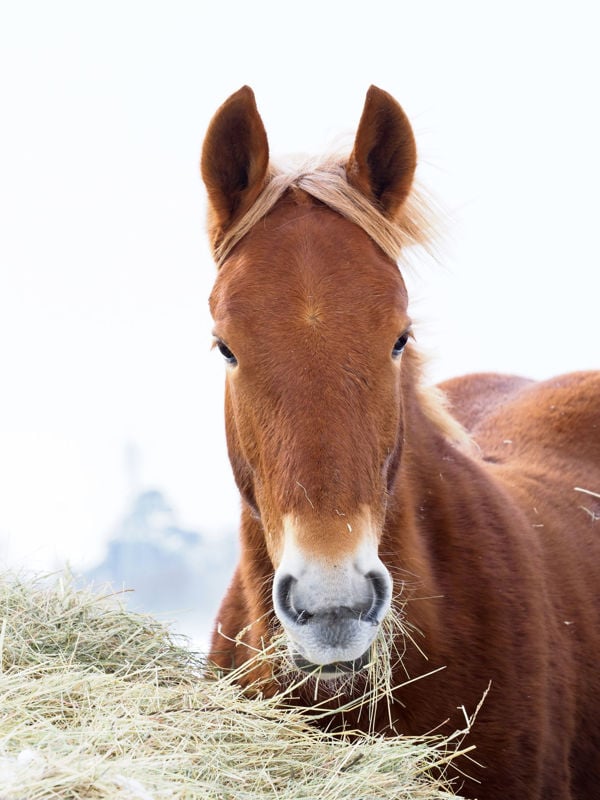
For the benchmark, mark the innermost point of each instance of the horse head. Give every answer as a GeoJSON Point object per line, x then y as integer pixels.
{"type": "Point", "coordinates": [311, 318]}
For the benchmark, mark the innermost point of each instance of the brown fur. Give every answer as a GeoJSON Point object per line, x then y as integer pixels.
{"type": "Point", "coordinates": [494, 552]}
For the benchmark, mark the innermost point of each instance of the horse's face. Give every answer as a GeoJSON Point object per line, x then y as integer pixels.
{"type": "Point", "coordinates": [311, 318]}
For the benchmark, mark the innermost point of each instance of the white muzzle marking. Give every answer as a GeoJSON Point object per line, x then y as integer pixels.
{"type": "Point", "coordinates": [331, 608]}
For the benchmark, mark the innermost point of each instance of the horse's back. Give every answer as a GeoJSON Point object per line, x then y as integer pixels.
{"type": "Point", "coordinates": [474, 397]}
{"type": "Point", "coordinates": [511, 417]}
{"type": "Point", "coordinates": [540, 443]}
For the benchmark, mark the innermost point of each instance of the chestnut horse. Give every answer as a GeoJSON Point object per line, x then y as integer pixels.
{"type": "Point", "coordinates": [361, 490]}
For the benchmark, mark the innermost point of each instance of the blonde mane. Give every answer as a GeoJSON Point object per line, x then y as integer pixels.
{"type": "Point", "coordinates": [326, 181]}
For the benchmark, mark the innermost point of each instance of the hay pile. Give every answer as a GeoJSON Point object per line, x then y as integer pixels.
{"type": "Point", "coordinates": [98, 702]}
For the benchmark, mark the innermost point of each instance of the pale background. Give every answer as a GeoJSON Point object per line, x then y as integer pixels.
{"type": "Point", "coordinates": [105, 270]}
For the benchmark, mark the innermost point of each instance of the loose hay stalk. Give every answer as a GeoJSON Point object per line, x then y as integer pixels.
{"type": "Point", "coordinates": [99, 702]}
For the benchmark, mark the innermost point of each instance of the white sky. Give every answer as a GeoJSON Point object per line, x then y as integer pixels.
{"type": "Point", "coordinates": [104, 267]}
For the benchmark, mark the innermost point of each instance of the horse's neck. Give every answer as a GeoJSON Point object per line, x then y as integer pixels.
{"type": "Point", "coordinates": [436, 486]}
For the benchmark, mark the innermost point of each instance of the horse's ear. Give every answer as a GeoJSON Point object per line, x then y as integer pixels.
{"type": "Point", "coordinates": [235, 156]}
{"type": "Point", "coordinates": [383, 161]}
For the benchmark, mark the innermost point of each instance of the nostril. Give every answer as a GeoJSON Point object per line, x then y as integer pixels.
{"type": "Point", "coordinates": [284, 602]}
{"type": "Point", "coordinates": [381, 586]}
{"type": "Point", "coordinates": [283, 592]}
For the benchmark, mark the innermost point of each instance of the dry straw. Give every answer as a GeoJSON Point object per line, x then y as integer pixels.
{"type": "Point", "coordinates": [99, 702]}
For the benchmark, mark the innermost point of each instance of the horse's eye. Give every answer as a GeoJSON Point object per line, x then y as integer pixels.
{"type": "Point", "coordinates": [226, 353]}
{"type": "Point", "coordinates": [400, 345]}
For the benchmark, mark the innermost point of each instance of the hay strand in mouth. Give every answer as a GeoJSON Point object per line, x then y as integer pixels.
{"type": "Point", "coordinates": [588, 492]}
{"type": "Point", "coordinates": [98, 702]}
{"type": "Point", "coordinates": [363, 689]}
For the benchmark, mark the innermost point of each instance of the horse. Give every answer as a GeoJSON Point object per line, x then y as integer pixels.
{"type": "Point", "coordinates": [473, 507]}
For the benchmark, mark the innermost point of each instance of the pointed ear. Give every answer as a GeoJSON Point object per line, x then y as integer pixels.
{"type": "Point", "coordinates": [382, 163]}
{"type": "Point", "coordinates": [235, 156]}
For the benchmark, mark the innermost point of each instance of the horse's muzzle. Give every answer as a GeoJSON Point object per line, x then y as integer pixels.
{"type": "Point", "coordinates": [331, 622]}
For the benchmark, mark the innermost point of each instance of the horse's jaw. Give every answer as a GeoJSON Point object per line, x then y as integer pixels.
{"type": "Point", "coordinates": [333, 670]}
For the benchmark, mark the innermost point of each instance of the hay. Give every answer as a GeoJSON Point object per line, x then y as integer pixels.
{"type": "Point", "coordinates": [99, 702]}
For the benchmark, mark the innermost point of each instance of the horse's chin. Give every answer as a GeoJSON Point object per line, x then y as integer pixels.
{"type": "Point", "coordinates": [336, 669]}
